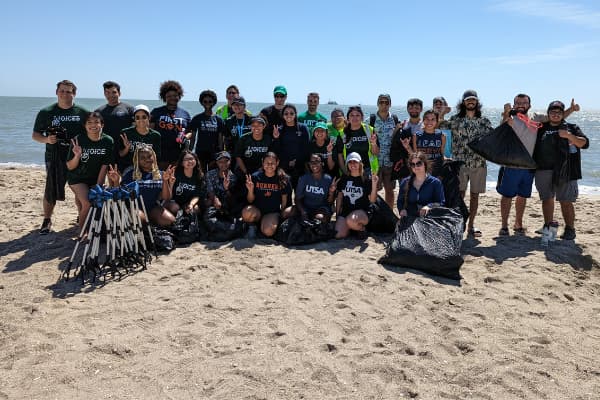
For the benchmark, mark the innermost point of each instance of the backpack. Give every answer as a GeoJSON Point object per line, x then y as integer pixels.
{"type": "Point", "coordinates": [373, 117]}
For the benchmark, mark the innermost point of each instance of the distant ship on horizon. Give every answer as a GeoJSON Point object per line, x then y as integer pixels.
{"type": "Point", "coordinates": [332, 102]}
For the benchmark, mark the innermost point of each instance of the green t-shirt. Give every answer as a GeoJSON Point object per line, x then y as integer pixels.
{"type": "Point", "coordinates": [53, 116]}
{"type": "Point", "coordinates": [334, 133]}
{"type": "Point", "coordinates": [311, 120]}
{"type": "Point", "coordinates": [152, 138]}
{"type": "Point", "coordinates": [94, 154]}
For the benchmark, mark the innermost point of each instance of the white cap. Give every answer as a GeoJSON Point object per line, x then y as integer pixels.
{"type": "Point", "coordinates": [142, 107]}
{"type": "Point", "coordinates": [353, 157]}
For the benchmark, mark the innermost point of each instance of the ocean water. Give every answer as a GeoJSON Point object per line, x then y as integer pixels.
{"type": "Point", "coordinates": [17, 115]}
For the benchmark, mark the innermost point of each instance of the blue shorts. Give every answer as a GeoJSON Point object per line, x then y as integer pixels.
{"type": "Point", "coordinates": [515, 182]}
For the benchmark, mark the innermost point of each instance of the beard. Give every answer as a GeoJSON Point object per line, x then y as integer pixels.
{"type": "Point", "coordinates": [414, 114]}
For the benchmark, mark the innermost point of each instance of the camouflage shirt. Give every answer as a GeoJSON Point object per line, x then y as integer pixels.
{"type": "Point", "coordinates": [464, 130]}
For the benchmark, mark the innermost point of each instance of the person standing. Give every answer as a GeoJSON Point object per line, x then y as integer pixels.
{"type": "Point", "coordinates": [206, 131]}
{"type": "Point", "coordinates": [55, 126]}
{"type": "Point", "coordinates": [517, 182]}
{"type": "Point", "coordinates": [273, 113]}
{"type": "Point", "coordinates": [440, 106]}
{"type": "Point", "coordinates": [89, 156]}
{"type": "Point", "coordinates": [358, 138]}
{"type": "Point", "coordinates": [116, 114]}
{"type": "Point", "coordinates": [311, 116]}
{"type": "Point", "coordinates": [236, 125]}
{"type": "Point", "coordinates": [170, 121]}
{"type": "Point", "coordinates": [383, 124]}
{"type": "Point", "coordinates": [225, 111]}
{"type": "Point", "coordinates": [557, 154]}
{"type": "Point", "coordinates": [467, 125]}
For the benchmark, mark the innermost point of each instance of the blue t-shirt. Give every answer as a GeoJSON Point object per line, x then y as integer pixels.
{"type": "Point", "coordinates": [169, 123]}
{"type": "Point", "coordinates": [313, 192]}
{"type": "Point", "coordinates": [149, 189]}
{"type": "Point", "coordinates": [431, 191]}
{"type": "Point", "coordinates": [268, 192]}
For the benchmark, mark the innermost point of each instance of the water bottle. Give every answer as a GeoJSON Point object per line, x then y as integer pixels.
{"type": "Point", "coordinates": [553, 230]}
{"type": "Point", "coordinates": [181, 136]}
{"type": "Point", "coordinates": [545, 235]}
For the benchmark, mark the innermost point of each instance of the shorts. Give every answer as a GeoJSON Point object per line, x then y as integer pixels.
{"type": "Point", "coordinates": [515, 182]}
{"type": "Point", "coordinates": [385, 178]}
{"type": "Point", "coordinates": [475, 177]}
{"type": "Point", "coordinates": [567, 191]}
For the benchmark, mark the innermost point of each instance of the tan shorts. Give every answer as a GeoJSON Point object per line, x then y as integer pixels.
{"type": "Point", "coordinates": [475, 177]}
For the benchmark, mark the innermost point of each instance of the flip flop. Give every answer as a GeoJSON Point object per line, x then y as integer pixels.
{"type": "Point", "coordinates": [503, 232]}
{"type": "Point", "coordinates": [520, 231]}
{"type": "Point", "coordinates": [475, 232]}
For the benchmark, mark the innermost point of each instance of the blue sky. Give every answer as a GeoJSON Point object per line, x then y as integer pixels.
{"type": "Point", "coordinates": [347, 51]}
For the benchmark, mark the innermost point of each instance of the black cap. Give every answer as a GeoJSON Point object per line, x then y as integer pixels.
{"type": "Point", "coordinates": [470, 94]}
{"type": "Point", "coordinates": [239, 100]}
{"type": "Point", "coordinates": [556, 104]}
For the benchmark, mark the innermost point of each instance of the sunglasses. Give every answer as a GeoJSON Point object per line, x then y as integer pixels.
{"type": "Point", "coordinates": [279, 95]}
{"type": "Point", "coordinates": [289, 113]}
{"type": "Point", "coordinates": [416, 164]}
{"type": "Point", "coordinates": [384, 102]}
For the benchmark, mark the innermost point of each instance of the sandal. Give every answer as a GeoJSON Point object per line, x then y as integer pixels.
{"type": "Point", "coordinates": [503, 232]}
{"type": "Point", "coordinates": [475, 232]}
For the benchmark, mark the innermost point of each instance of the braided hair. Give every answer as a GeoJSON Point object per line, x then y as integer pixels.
{"type": "Point", "coordinates": [137, 172]}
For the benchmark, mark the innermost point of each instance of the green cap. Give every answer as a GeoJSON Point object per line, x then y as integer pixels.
{"type": "Point", "coordinates": [280, 90]}
{"type": "Point", "coordinates": [320, 125]}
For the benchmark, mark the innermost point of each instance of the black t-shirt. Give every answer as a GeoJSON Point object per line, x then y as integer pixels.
{"type": "Point", "coordinates": [313, 148]}
{"type": "Point", "coordinates": [268, 192]}
{"type": "Point", "coordinates": [545, 153]}
{"type": "Point", "coordinates": [208, 132]}
{"type": "Point", "coordinates": [273, 116]}
{"type": "Point", "coordinates": [185, 189]}
{"type": "Point", "coordinates": [234, 129]}
{"type": "Point", "coordinates": [355, 141]}
{"type": "Point", "coordinates": [356, 191]}
{"type": "Point", "coordinates": [294, 145]}
{"type": "Point", "coordinates": [252, 151]}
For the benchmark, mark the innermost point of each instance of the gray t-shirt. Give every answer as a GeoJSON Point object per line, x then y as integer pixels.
{"type": "Point", "coordinates": [313, 192]}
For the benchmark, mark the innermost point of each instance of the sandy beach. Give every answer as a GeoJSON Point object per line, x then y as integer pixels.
{"type": "Point", "coordinates": [257, 320]}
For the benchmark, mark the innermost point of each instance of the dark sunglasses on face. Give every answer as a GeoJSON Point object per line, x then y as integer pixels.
{"type": "Point", "coordinates": [289, 113]}
{"type": "Point", "coordinates": [416, 164]}
{"type": "Point", "coordinates": [384, 102]}
{"type": "Point", "coordinates": [279, 95]}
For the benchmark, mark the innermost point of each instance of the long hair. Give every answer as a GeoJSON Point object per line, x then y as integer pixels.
{"type": "Point", "coordinates": [280, 173]}
{"type": "Point", "coordinates": [137, 172]}
{"type": "Point", "coordinates": [197, 174]}
{"type": "Point", "coordinates": [423, 158]}
{"type": "Point", "coordinates": [462, 109]}
{"type": "Point", "coordinates": [293, 107]}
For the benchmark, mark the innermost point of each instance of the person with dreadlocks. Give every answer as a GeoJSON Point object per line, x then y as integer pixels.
{"type": "Point", "coordinates": [420, 191]}
{"type": "Point", "coordinates": [154, 186]}
{"type": "Point", "coordinates": [268, 192]}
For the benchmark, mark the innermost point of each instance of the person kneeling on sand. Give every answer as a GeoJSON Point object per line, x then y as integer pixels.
{"type": "Point", "coordinates": [268, 191]}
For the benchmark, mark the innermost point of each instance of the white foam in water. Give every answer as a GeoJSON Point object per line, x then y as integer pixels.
{"type": "Point", "coordinates": [12, 165]}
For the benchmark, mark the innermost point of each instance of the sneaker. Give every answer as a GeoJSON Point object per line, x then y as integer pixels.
{"type": "Point", "coordinates": [46, 225]}
{"type": "Point", "coordinates": [541, 230]}
{"type": "Point", "coordinates": [503, 232]}
{"type": "Point", "coordinates": [569, 233]}
{"type": "Point", "coordinates": [251, 233]}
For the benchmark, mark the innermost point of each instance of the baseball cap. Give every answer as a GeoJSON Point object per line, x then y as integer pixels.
{"type": "Point", "coordinates": [259, 120]}
{"type": "Point", "coordinates": [239, 100]}
{"type": "Point", "coordinates": [280, 90]}
{"type": "Point", "coordinates": [440, 99]}
{"type": "Point", "coordinates": [470, 94]}
{"type": "Point", "coordinates": [320, 125]}
{"type": "Point", "coordinates": [223, 154]}
{"type": "Point", "coordinates": [384, 96]}
{"type": "Point", "coordinates": [556, 104]}
{"type": "Point", "coordinates": [141, 107]}
{"type": "Point", "coordinates": [353, 157]}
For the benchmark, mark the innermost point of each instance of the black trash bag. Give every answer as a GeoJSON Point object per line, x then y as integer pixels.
{"type": "Point", "coordinates": [220, 226]}
{"type": "Point", "coordinates": [502, 146]}
{"type": "Point", "coordinates": [430, 244]}
{"type": "Point", "coordinates": [55, 178]}
{"type": "Point", "coordinates": [451, 183]}
{"type": "Point", "coordinates": [186, 228]}
{"type": "Point", "coordinates": [164, 240]}
{"type": "Point", "coordinates": [381, 217]}
{"type": "Point", "coordinates": [296, 231]}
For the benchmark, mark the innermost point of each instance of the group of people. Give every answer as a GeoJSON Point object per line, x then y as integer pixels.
{"type": "Point", "coordinates": [280, 163]}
